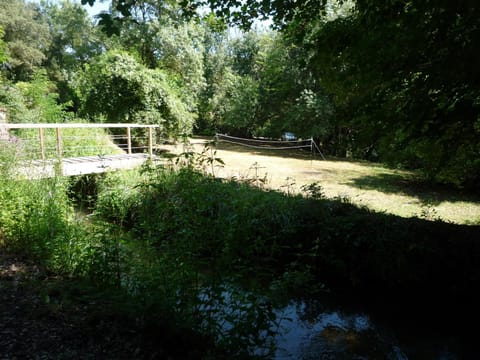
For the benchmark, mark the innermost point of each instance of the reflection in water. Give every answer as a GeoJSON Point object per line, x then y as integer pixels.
{"type": "Point", "coordinates": [331, 334]}
{"type": "Point", "coordinates": [315, 332]}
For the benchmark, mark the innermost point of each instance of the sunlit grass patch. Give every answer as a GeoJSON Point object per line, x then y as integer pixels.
{"type": "Point", "coordinates": [362, 183]}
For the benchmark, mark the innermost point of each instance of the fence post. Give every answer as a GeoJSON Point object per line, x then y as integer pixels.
{"type": "Point", "coordinates": [318, 149]}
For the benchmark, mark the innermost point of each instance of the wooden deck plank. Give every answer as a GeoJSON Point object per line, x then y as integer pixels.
{"type": "Point", "coordinates": [38, 169]}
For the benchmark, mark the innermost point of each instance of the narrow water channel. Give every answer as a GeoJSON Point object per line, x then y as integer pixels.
{"type": "Point", "coordinates": [314, 331]}
{"type": "Point", "coordinates": [315, 328]}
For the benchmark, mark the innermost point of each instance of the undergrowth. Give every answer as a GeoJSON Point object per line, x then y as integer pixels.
{"type": "Point", "coordinates": [188, 247]}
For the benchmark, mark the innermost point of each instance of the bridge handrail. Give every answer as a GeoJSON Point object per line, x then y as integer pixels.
{"type": "Point", "coordinates": [75, 125]}
{"type": "Point", "coordinates": [59, 126]}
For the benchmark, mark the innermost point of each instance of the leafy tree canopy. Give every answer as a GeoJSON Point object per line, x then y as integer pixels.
{"type": "Point", "coordinates": [26, 37]}
{"type": "Point", "coordinates": [32, 101]}
{"type": "Point", "coordinates": [3, 48]}
{"type": "Point", "coordinates": [405, 77]}
{"type": "Point", "coordinates": [117, 87]}
{"type": "Point", "coordinates": [239, 12]}
{"type": "Point", "coordinates": [74, 41]}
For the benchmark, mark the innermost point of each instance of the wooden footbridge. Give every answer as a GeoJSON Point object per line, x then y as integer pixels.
{"type": "Point", "coordinates": [47, 150]}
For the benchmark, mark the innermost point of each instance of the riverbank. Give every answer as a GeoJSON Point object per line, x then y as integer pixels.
{"type": "Point", "coordinates": [46, 316]}
{"type": "Point", "coordinates": [183, 264]}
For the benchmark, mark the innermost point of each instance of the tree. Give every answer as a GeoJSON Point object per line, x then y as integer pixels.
{"type": "Point", "coordinates": [120, 89]}
{"type": "Point", "coordinates": [240, 105]}
{"type": "Point", "coordinates": [402, 77]}
{"type": "Point", "coordinates": [26, 37]}
{"type": "Point", "coordinates": [405, 76]}
{"type": "Point", "coordinates": [239, 12]}
{"type": "Point", "coordinates": [179, 51]}
{"type": "Point", "coordinates": [32, 101]}
{"type": "Point", "coordinates": [3, 48]}
{"type": "Point", "coordinates": [230, 100]}
{"type": "Point", "coordinates": [74, 41]}
{"type": "Point", "coordinates": [157, 35]}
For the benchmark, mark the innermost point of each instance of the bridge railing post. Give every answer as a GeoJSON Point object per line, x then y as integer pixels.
{"type": "Point", "coordinates": [150, 142]}
{"type": "Point", "coordinates": [129, 140]}
{"type": "Point", "coordinates": [59, 151]}
{"type": "Point", "coordinates": [59, 143]}
{"type": "Point", "coordinates": [42, 143]}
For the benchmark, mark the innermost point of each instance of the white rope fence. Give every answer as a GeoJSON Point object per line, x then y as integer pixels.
{"type": "Point", "coordinates": [270, 144]}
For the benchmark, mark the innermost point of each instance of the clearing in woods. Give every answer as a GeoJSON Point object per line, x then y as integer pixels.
{"type": "Point", "coordinates": [374, 186]}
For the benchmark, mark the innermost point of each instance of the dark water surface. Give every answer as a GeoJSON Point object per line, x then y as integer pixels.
{"type": "Point", "coordinates": [312, 330]}
{"type": "Point", "coordinates": [323, 328]}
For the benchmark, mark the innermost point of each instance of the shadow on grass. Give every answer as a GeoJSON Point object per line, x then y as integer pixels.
{"type": "Point", "coordinates": [426, 193]}
{"type": "Point", "coordinates": [401, 183]}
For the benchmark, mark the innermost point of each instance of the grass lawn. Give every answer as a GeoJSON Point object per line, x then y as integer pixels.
{"type": "Point", "coordinates": [366, 184]}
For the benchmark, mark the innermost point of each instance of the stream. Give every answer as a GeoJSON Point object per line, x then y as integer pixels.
{"type": "Point", "coordinates": [322, 329]}
{"type": "Point", "coordinates": [315, 331]}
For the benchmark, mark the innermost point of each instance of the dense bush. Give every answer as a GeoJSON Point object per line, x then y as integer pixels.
{"type": "Point", "coordinates": [233, 227]}
{"type": "Point", "coordinates": [119, 88]}
{"type": "Point", "coordinates": [33, 213]}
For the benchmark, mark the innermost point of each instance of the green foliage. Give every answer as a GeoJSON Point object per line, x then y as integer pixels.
{"type": "Point", "coordinates": [32, 102]}
{"type": "Point", "coordinates": [193, 234]}
{"type": "Point", "coordinates": [189, 247]}
{"type": "Point", "coordinates": [260, 88]}
{"type": "Point", "coordinates": [227, 217]}
{"type": "Point", "coordinates": [311, 115]}
{"type": "Point", "coordinates": [394, 81]}
{"type": "Point", "coordinates": [40, 98]}
{"type": "Point", "coordinates": [391, 81]}
{"type": "Point", "coordinates": [3, 48]}
{"type": "Point", "coordinates": [34, 215]}
{"type": "Point", "coordinates": [240, 105]}
{"type": "Point", "coordinates": [26, 38]}
{"type": "Point", "coordinates": [179, 49]}
{"type": "Point", "coordinates": [200, 233]}
{"type": "Point", "coordinates": [216, 73]}
{"type": "Point", "coordinates": [74, 41]}
{"type": "Point", "coordinates": [403, 85]}
{"type": "Point", "coordinates": [119, 88]}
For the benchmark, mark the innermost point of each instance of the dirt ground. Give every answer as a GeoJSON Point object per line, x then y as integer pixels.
{"type": "Point", "coordinates": [365, 184]}
{"type": "Point", "coordinates": [47, 317]}
{"type": "Point", "coordinates": [35, 324]}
